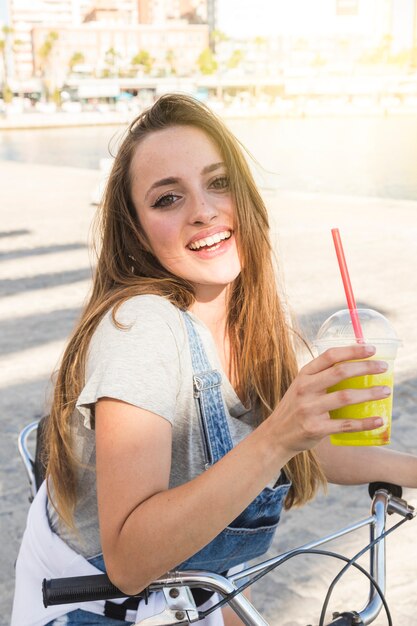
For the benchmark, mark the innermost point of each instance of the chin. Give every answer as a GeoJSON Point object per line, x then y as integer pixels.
{"type": "Point", "coordinates": [223, 275]}
{"type": "Point", "coordinates": [221, 281]}
{"type": "Point", "coordinates": [220, 274]}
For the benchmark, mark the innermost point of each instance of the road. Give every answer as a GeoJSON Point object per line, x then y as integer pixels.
{"type": "Point", "coordinates": [45, 270]}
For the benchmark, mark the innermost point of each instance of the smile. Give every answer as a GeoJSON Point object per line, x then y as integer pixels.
{"type": "Point", "coordinates": [213, 240]}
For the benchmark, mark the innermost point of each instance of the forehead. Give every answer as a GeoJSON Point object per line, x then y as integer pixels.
{"type": "Point", "coordinates": [171, 150]}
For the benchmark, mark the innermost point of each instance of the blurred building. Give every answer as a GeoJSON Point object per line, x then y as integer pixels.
{"type": "Point", "coordinates": [266, 38]}
{"type": "Point", "coordinates": [108, 49]}
{"type": "Point", "coordinates": [414, 59]}
{"type": "Point", "coordinates": [48, 33]}
{"type": "Point", "coordinates": [112, 11]}
{"type": "Point", "coordinates": [161, 11]}
{"type": "Point", "coordinates": [347, 7]}
{"type": "Point", "coordinates": [212, 20]}
{"type": "Point", "coordinates": [23, 15]}
{"type": "Point", "coordinates": [325, 35]}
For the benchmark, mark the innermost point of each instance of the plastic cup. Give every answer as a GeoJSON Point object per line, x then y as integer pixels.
{"type": "Point", "coordinates": [338, 330]}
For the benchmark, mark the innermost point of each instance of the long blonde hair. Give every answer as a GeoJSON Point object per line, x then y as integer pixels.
{"type": "Point", "coordinates": [262, 354]}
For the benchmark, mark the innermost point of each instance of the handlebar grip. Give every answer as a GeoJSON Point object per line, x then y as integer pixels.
{"type": "Point", "coordinates": [79, 589]}
{"type": "Point", "coordinates": [394, 490]}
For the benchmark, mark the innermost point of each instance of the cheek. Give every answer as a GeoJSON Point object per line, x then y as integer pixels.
{"type": "Point", "coordinates": [163, 237]}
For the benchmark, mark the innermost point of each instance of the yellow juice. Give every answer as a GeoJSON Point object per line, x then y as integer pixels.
{"type": "Point", "coordinates": [374, 408]}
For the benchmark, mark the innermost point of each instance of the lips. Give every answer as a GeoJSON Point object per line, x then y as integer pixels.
{"type": "Point", "coordinates": [211, 240]}
{"type": "Point", "coordinates": [204, 237]}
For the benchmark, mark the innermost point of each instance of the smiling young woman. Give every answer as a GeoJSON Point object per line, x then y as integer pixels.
{"type": "Point", "coordinates": [179, 427]}
{"type": "Point", "coordinates": [181, 193]}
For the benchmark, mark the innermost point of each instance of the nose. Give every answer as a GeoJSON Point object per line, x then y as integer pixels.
{"type": "Point", "coordinates": [204, 210]}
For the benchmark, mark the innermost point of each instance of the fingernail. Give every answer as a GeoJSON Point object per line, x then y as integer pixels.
{"type": "Point", "coordinates": [386, 391]}
{"type": "Point", "coordinates": [379, 421]}
{"type": "Point", "coordinates": [382, 366]}
{"type": "Point", "coordinates": [370, 349]}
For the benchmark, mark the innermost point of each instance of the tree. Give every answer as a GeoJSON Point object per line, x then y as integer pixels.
{"type": "Point", "coordinates": [206, 62]}
{"type": "Point", "coordinates": [4, 51]}
{"type": "Point", "coordinates": [236, 59]}
{"type": "Point", "coordinates": [216, 37]}
{"type": "Point", "coordinates": [76, 59]}
{"type": "Point", "coordinates": [318, 60]}
{"type": "Point", "coordinates": [47, 47]}
{"type": "Point", "coordinates": [379, 55]}
{"type": "Point", "coordinates": [111, 59]}
{"type": "Point", "coordinates": [259, 41]}
{"type": "Point", "coordinates": [301, 44]}
{"type": "Point", "coordinates": [143, 61]}
{"type": "Point", "coordinates": [45, 56]}
{"type": "Point", "coordinates": [413, 57]}
{"type": "Point", "coordinates": [385, 47]}
{"type": "Point", "coordinates": [171, 61]}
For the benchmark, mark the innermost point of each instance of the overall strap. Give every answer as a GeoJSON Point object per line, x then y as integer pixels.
{"type": "Point", "coordinates": [207, 391]}
{"type": "Point", "coordinates": [199, 358]}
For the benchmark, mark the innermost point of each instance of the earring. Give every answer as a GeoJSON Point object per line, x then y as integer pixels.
{"type": "Point", "coordinates": [132, 269]}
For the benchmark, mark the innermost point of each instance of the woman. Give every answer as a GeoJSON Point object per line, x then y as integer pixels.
{"type": "Point", "coordinates": [180, 427]}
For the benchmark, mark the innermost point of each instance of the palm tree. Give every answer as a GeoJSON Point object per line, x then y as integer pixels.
{"type": "Point", "coordinates": [111, 59]}
{"type": "Point", "coordinates": [143, 61]}
{"type": "Point", "coordinates": [77, 59]}
{"type": "Point", "coordinates": [206, 62]}
{"type": "Point", "coordinates": [4, 52]}
{"type": "Point", "coordinates": [235, 59]}
{"type": "Point", "coordinates": [45, 56]}
{"type": "Point", "coordinates": [171, 61]}
{"type": "Point", "coordinates": [216, 37]}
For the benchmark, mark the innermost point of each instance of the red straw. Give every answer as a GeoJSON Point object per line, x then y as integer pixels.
{"type": "Point", "coordinates": [347, 285]}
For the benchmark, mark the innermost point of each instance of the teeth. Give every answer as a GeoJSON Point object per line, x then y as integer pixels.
{"type": "Point", "coordinates": [210, 241]}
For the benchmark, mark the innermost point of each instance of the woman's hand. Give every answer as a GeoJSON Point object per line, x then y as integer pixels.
{"type": "Point", "coordinates": [302, 417]}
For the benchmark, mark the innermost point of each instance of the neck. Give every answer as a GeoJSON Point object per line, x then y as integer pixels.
{"type": "Point", "coordinates": [212, 310]}
{"type": "Point", "coordinates": [210, 307]}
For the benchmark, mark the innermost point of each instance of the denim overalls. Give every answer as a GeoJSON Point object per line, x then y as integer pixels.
{"type": "Point", "coordinates": [251, 533]}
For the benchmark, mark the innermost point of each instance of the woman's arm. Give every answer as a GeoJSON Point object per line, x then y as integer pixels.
{"type": "Point", "coordinates": [345, 465]}
{"type": "Point", "coordinates": [147, 529]}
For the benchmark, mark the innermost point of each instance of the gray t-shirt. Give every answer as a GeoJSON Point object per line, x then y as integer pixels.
{"type": "Point", "coordinates": [147, 364]}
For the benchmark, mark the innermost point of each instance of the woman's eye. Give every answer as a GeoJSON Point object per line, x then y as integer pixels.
{"type": "Point", "coordinates": [221, 182]}
{"type": "Point", "coordinates": [165, 201]}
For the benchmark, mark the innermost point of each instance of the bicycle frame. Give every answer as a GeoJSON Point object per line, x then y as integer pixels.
{"type": "Point", "coordinates": [181, 608]}
{"type": "Point", "coordinates": [176, 585]}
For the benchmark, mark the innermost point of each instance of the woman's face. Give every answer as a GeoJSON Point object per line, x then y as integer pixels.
{"type": "Point", "coordinates": [180, 189]}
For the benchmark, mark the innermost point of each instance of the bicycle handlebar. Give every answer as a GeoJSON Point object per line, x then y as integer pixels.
{"type": "Point", "coordinates": [99, 587]}
{"type": "Point", "coordinates": [80, 589]}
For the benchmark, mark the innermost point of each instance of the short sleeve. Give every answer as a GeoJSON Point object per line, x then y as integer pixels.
{"type": "Point", "coordinates": [137, 363]}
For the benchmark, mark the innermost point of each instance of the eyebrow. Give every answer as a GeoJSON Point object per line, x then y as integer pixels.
{"type": "Point", "coordinates": [171, 180]}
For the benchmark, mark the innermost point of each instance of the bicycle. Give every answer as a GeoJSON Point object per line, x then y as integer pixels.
{"type": "Point", "coordinates": [177, 586]}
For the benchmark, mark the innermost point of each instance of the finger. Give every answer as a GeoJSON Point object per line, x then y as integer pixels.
{"type": "Point", "coordinates": [347, 369]}
{"type": "Point", "coordinates": [346, 397]}
{"type": "Point", "coordinates": [355, 426]}
{"type": "Point", "coordinates": [335, 355]}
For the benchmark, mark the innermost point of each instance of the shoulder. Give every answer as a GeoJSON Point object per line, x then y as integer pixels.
{"type": "Point", "coordinates": [144, 320]}
{"type": "Point", "coordinates": [144, 311]}
{"type": "Point", "coordinates": [145, 305]}
{"type": "Point", "coordinates": [136, 355]}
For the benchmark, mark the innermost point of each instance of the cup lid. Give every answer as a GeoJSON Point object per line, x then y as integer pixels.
{"type": "Point", "coordinates": [338, 329]}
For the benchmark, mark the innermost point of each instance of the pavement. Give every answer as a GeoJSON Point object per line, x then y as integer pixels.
{"type": "Point", "coordinates": [45, 271]}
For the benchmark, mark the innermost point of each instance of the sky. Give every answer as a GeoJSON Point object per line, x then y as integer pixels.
{"type": "Point", "coordinates": [3, 11]}
{"type": "Point", "coordinates": [249, 18]}
{"type": "Point", "coordinates": [268, 17]}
